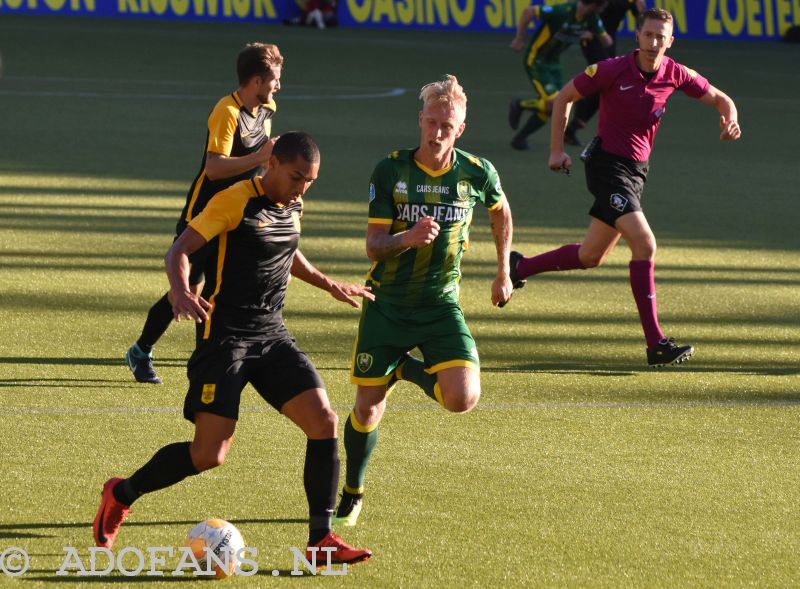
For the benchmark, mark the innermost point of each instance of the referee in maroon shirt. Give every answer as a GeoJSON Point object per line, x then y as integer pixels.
{"type": "Point", "coordinates": [633, 94]}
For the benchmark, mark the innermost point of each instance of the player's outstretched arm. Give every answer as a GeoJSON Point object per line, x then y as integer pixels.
{"type": "Point", "coordinates": [522, 27]}
{"type": "Point", "coordinates": [185, 304]}
{"type": "Point", "coordinates": [728, 115]}
{"type": "Point", "coordinates": [559, 160]}
{"type": "Point", "coordinates": [346, 293]}
{"type": "Point", "coordinates": [502, 231]}
{"type": "Point", "coordinates": [382, 245]}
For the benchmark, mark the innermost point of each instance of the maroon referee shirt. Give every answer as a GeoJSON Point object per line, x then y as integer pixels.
{"type": "Point", "coordinates": [631, 106]}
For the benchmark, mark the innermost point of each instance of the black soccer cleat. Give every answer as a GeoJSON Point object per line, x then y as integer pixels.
{"type": "Point", "coordinates": [513, 260]}
{"type": "Point", "coordinates": [516, 281]}
{"type": "Point", "coordinates": [349, 509]}
{"type": "Point", "coordinates": [520, 144]}
{"type": "Point", "coordinates": [141, 365]}
{"type": "Point", "coordinates": [666, 352]}
{"type": "Point", "coordinates": [514, 113]}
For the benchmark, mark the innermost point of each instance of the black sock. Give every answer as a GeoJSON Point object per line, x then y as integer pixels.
{"type": "Point", "coordinates": [158, 319]}
{"type": "Point", "coordinates": [320, 479]}
{"type": "Point", "coordinates": [170, 465]}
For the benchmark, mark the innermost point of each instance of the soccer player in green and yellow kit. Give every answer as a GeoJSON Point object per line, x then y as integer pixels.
{"type": "Point", "coordinates": [420, 211]}
{"type": "Point", "coordinates": [561, 26]}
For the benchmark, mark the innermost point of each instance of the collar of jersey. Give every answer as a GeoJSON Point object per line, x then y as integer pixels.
{"type": "Point", "coordinates": [635, 68]}
{"type": "Point", "coordinates": [435, 173]}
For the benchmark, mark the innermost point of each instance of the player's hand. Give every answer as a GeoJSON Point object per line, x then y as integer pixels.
{"type": "Point", "coordinates": [186, 305]}
{"type": "Point", "coordinates": [423, 232]}
{"type": "Point", "coordinates": [502, 288]}
{"type": "Point", "coordinates": [265, 151]}
{"type": "Point", "coordinates": [559, 161]}
{"type": "Point", "coordinates": [345, 293]}
{"type": "Point", "coordinates": [518, 44]}
{"type": "Point", "coordinates": [729, 130]}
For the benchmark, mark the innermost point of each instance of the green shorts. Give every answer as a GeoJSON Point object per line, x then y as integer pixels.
{"type": "Point", "coordinates": [546, 78]}
{"type": "Point", "coordinates": [386, 332]}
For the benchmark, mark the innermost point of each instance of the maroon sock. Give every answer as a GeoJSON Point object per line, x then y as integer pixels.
{"type": "Point", "coordinates": [643, 285]}
{"type": "Point", "coordinates": [563, 258]}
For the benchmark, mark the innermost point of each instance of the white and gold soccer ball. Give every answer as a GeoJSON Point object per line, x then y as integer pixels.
{"type": "Point", "coordinates": [220, 538]}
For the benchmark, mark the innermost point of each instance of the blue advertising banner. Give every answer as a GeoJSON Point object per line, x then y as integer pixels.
{"type": "Point", "coordinates": [222, 10]}
{"type": "Point", "coordinates": [694, 19]}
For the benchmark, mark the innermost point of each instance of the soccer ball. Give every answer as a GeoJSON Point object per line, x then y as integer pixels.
{"type": "Point", "coordinates": [220, 537]}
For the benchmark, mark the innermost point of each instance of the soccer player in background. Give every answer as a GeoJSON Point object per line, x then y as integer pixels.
{"type": "Point", "coordinates": [633, 94]}
{"type": "Point", "coordinates": [421, 202]}
{"type": "Point", "coordinates": [594, 51]}
{"type": "Point", "coordinates": [241, 338]}
{"type": "Point", "coordinates": [238, 144]}
{"type": "Point", "coordinates": [561, 26]}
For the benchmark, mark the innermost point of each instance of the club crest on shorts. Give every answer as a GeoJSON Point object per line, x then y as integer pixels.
{"type": "Point", "coordinates": [364, 361]}
{"type": "Point", "coordinates": [618, 202]}
{"type": "Point", "coordinates": [209, 392]}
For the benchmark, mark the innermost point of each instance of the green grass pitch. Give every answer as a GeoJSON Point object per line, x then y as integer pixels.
{"type": "Point", "coordinates": [579, 468]}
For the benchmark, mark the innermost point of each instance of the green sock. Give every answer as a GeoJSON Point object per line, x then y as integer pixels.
{"type": "Point", "coordinates": [358, 446]}
{"type": "Point", "coordinates": [414, 371]}
{"type": "Point", "coordinates": [535, 122]}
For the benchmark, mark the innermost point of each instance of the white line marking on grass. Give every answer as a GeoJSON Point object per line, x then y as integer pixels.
{"type": "Point", "coordinates": [391, 93]}
{"type": "Point", "coordinates": [428, 406]}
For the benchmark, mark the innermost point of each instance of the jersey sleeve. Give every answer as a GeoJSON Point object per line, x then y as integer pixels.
{"type": "Point", "coordinates": [690, 82]}
{"type": "Point", "coordinates": [595, 78]}
{"type": "Point", "coordinates": [223, 212]}
{"type": "Point", "coordinates": [221, 128]}
{"type": "Point", "coordinates": [381, 198]}
{"type": "Point", "coordinates": [492, 195]}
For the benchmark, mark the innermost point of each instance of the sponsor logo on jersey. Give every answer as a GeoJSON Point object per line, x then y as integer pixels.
{"type": "Point", "coordinates": [209, 392]}
{"type": "Point", "coordinates": [261, 224]}
{"type": "Point", "coordinates": [428, 189]}
{"type": "Point", "coordinates": [441, 213]}
{"type": "Point", "coordinates": [401, 187]}
{"type": "Point", "coordinates": [371, 192]}
{"type": "Point", "coordinates": [618, 202]}
{"type": "Point", "coordinates": [462, 190]}
{"type": "Point", "coordinates": [364, 361]}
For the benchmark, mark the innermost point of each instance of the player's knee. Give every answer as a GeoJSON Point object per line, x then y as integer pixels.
{"type": "Point", "coordinates": [325, 425]}
{"type": "Point", "coordinates": [208, 458]}
{"type": "Point", "coordinates": [461, 401]}
{"type": "Point", "coordinates": [368, 413]}
{"type": "Point", "coordinates": [591, 259]}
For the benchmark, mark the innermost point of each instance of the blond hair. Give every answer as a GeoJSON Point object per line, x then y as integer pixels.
{"type": "Point", "coordinates": [446, 91]}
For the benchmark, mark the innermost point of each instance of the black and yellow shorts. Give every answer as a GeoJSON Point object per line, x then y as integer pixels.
{"type": "Point", "coordinates": [386, 332]}
{"type": "Point", "coordinates": [219, 371]}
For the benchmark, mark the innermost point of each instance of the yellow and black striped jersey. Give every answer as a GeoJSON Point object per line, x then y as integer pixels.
{"type": "Point", "coordinates": [248, 268]}
{"type": "Point", "coordinates": [233, 131]}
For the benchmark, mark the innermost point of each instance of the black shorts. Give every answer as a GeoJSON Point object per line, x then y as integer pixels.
{"type": "Point", "coordinates": [616, 183]}
{"type": "Point", "coordinates": [219, 371]}
{"type": "Point", "coordinates": [197, 261]}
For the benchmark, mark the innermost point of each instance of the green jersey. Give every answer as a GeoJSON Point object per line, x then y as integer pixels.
{"type": "Point", "coordinates": [401, 192]}
{"type": "Point", "coordinates": [559, 29]}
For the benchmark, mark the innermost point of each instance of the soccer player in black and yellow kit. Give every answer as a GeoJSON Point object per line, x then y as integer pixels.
{"type": "Point", "coordinates": [242, 339]}
{"type": "Point", "coordinates": [561, 25]}
{"type": "Point", "coordinates": [238, 144]}
{"type": "Point", "coordinates": [420, 212]}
